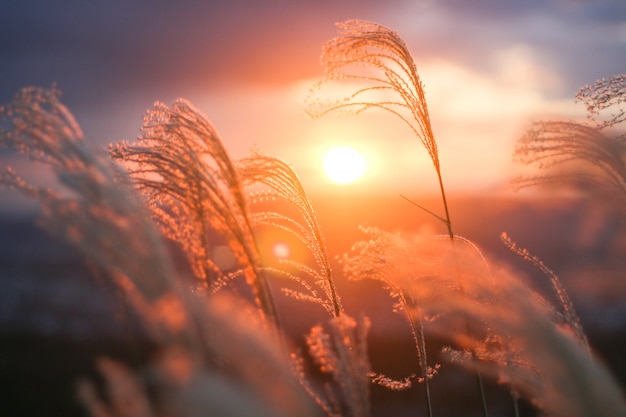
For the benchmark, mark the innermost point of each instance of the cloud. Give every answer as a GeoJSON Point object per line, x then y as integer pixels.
{"type": "Point", "coordinates": [489, 66]}
{"type": "Point", "coordinates": [579, 41]}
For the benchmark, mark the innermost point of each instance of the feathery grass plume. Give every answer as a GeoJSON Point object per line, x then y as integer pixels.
{"type": "Point", "coordinates": [364, 44]}
{"type": "Point", "coordinates": [607, 93]}
{"type": "Point", "coordinates": [285, 184]}
{"type": "Point", "coordinates": [212, 356]}
{"type": "Point", "coordinates": [406, 266]}
{"type": "Point", "coordinates": [541, 361]}
{"type": "Point", "coordinates": [417, 269]}
{"type": "Point", "coordinates": [567, 314]}
{"type": "Point", "coordinates": [180, 164]}
{"type": "Point", "coordinates": [589, 159]}
{"type": "Point", "coordinates": [249, 375]}
{"type": "Point", "coordinates": [393, 83]}
{"type": "Point", "coordinates": [90, 210]}
{"type": "Point", "coordinates": [378, 56]}
{"type": "Point", "coordinates": [516, 336]}
{"type": "Point", "coordinates": [588, 156]}
{"type": "Point", "coordinates": [342, 353]}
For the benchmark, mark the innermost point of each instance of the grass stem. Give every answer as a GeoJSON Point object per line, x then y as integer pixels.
{"type": "Point", "coordinates": [470, 332]}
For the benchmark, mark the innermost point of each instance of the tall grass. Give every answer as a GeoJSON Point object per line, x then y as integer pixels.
{"type": "Point", "coordinates": [207, 344]}
{"type": "Point", "coordinates": [604, 101]}
{"type": "Point", "coordinates": [393, 84]}
{"type": "Point", "coordinates": [589, 156]}
{"type": "Point", "coordinates": [519, 337]}
{"type": "Point", "coordinates": [221, 353]}
{"type": "Point", "coordinates": [192, 186]}
{"type": "Point", "coordinates": [285, 184]}
{"type": "Point", "coordinates": [378, 57]}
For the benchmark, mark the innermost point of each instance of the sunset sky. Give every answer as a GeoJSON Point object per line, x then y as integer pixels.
{"type": "Point", "coordinates": [489, 67]}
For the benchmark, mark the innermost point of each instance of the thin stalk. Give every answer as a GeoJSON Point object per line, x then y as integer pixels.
{"type": "Point", "coordinates": [418, 337]}
{"type": "Point", "coordinates": [435, 215]}
{"type": "Point", "coordinates": [428, 401]}
{"type": "Point", "coordinates": [261, 283]}
{"type": "Point", "coordinates": [448, 222]}
{"type": "Point", "coordinates": [470, 332]}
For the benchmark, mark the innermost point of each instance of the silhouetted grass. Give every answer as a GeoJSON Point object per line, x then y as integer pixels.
{"type": "Point", "coordinates": [589, 156]}
{"type": "Point", "coordinates": [219, 353]}
{"type": "Point", "coordinates": [378, 57]}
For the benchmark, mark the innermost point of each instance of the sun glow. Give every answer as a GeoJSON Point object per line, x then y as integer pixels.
{"type": "Point", "coordinates": [344, 165]}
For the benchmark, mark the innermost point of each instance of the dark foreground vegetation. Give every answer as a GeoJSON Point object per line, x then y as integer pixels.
{"type": "Point", "coordinates": [406, 321]}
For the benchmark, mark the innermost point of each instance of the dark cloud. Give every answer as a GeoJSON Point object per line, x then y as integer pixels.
{"type": "Point", "coordinates": [99, 48]}
{"type": "Point", "coordinates": [114, 55]}
{"type": "Point", "coordinates": [98, 52]}
{"type": "Point", "coordinates": [610, 11]}
{"type": "Point", "coordinates": [578, 40]}
{"type": "Point", "coordinates": [95, 47]}
{"type": "Point", "coordinates": [588, 10]}
{"type": "Point", "coordinates": [490, 9]}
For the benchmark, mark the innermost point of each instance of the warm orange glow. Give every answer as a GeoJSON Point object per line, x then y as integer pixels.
{"type": "Point", "coordinates": [344, 165]}
{"type": "Point", "coordinates": [281, 250]}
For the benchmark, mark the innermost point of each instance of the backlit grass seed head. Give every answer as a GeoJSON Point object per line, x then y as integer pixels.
{"type": "Point", "coordinates": [342, 353]}
{"type": "Point", "coordinates": [192, 186]}
{"type": "Point", "coordinates": [589, 156]}
{"type": "Point", "coordinates": [91, 210]}
{"type": "Point", "coordinates": [530, 352]}
{"type": "Point", "coordinates": [393, 384]}
{"type": "Point", "coordinates": [182, 168]}
{"type": "Point", "coordinates": [413, 268]}
{"type": "Point", "coordinates": [574, 154]}
{"type": "Point", "coordinates": [378, 59]}
{"type": "Point", "coordinates": [285, 184]}
{"type": "Point", "coordinates": [566, 313]}
{"type": "Point", "coordinates": [606, 95]}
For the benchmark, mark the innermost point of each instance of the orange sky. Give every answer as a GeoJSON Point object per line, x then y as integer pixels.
{"type": "Point", "coordinates": [488, 69]}
{"type": "Point", "coordinates": [476, 120]}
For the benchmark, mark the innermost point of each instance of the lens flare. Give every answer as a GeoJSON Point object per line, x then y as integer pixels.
{"type": "Point", "coordinates": [281, 250]}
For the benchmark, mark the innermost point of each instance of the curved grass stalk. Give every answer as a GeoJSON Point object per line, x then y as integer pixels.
{"type": "Point", "coordinates": [181, 165]}
{"type": "Point", "coordinates": [342, 352]}
{"type": "Point", "coordinates": [96, 214]}
{"type": "Point", "coordinates": [401, 266]}
{"type": "Point", "coordinates": [371, 45]}
{"type": "Point", "coordinates": [568, 313]}
{"type": "Point", "coordinates": [107, 222]}
{"type": "Point", "coordinates": [192, 186]}
{"type": "Point", "coordinates": [588, 156]}
{"type": "Point", "coordinates": [363, 46]}
{"type": "Point", "coordinates": [534, 355]}
{"type": "Point", "coordinates": [589, 159]}
{"type": "Point", "coordinates": [517, 336]}
{"type": "Point", "coordinates": [604, 94]}
{"type": "Point", "coordinates": [285, 184]}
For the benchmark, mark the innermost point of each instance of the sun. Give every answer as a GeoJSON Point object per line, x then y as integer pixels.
{"type": "Point", "coordinates": [344, 165]}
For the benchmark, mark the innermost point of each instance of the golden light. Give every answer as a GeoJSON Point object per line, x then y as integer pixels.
{"type": "Point", "coordinates": [344, 165]}
{"type": "Point", "coordinates": [281, 250]}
